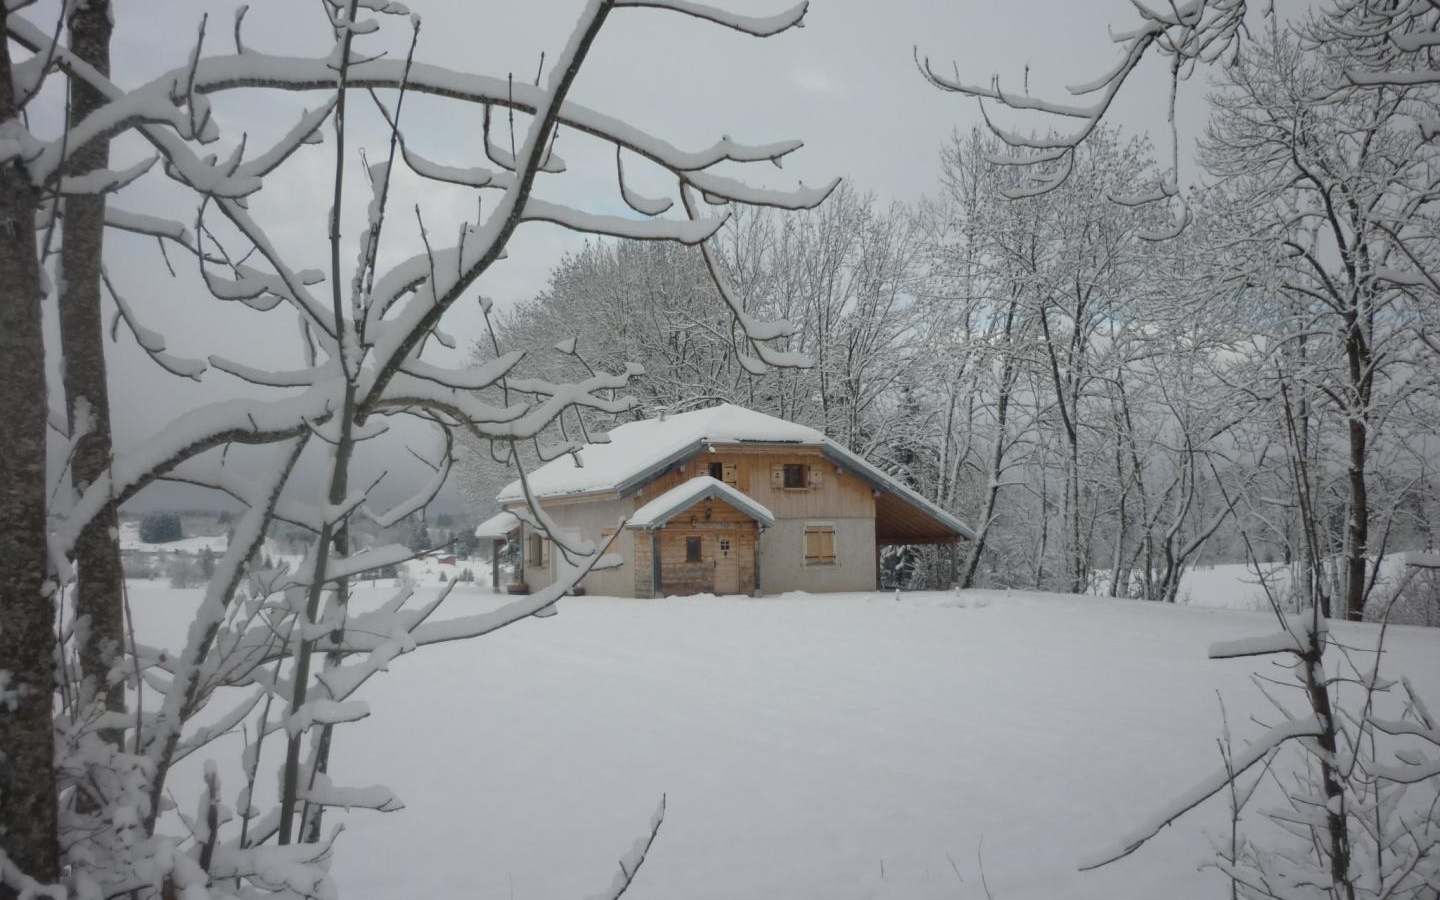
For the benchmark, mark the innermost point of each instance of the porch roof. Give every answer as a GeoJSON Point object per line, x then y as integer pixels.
{"type": "Point", "coordinates": [685, 495]}
{"type": "Point", "coordinates": [499, 526]}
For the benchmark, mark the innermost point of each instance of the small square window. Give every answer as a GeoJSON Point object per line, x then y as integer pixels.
{"type": "Point", "coordinates": [795, 475]}
{"type": "Point", "coordinates": [717, 471]}
{"type": "Point", "coordinates": [692, 549]}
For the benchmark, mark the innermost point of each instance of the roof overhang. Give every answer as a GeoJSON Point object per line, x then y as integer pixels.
{"type": "Point", "coordinates": [499, 526]}
{"type": "Point", "coordinates": [902, 516]}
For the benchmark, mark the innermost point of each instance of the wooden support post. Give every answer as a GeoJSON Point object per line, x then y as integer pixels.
{"type": "Point", "coordinates": [495, 545]}
{"type": "Point", "coordinates": [954, 562]}
{"type": "Point", "coordinates": [759, 533]}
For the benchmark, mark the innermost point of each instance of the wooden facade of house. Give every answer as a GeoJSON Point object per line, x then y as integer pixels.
{"type": "Point", "coordinates": [710, 548]}
{"type": "Point", "coordinates": [713, 548]}
{"type": "Point", "coordinates": [759, 472]}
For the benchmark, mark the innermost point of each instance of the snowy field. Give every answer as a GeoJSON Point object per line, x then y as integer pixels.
{"type": "Point", "coordinates": [130, 540]}
{"type": "Point", "coordinates": [846, 746]}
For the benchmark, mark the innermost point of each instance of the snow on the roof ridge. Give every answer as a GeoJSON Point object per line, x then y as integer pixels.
{"type": "Point", "coordinates": [636, 446]}
{"type": "Point", "coordinates": [658, 511]}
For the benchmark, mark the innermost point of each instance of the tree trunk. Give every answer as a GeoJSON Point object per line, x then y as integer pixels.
{"type": "Point", "coordinates": [98, 603]}
{"type": "Point", "coordinates": [1122, 519]}
{"type": "Point", "coordinates": [1072, 503]}
{"type": "Point", "coordinates": [1357, 529]}
{"type": "Point", "coordinates": [1331, 778]}
{"type": "Point", "coordinates": [997, 462]}
{"type": "Point", "coordinates": [972, 564]}
{"type": "Point", "coordinates": [27, 611]}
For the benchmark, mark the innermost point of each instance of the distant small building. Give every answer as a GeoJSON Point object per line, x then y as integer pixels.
{"type": "Point", "coordinates": [722, 500]}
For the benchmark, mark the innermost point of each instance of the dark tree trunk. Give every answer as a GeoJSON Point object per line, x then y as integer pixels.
{"type": "Point", "coordinates": [1332, 780]}
{"type": "Point", "coordinates": [98, 603]}
{"type": "Point", "coordinates": [1072, 502]}
{"type": "Point", "coordinates": [1357, 529]}
{"type": "Point", "coordinates": [27, 611]}
{"type": "Point", "coordinates": [992, 490]}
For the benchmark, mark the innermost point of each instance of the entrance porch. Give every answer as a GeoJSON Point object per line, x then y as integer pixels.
{"type": "Point", "coordinates": [701, 537]}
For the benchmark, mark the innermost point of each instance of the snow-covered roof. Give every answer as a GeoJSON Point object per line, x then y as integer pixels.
{"type": "Point", "coordinates": [499, 526]}
{"type": "Point", "coordinates": [638, 451]}
{"type": "Point", "coordinates": [637, 448]}
{"type": "Point", "coordinates": [685, 495]}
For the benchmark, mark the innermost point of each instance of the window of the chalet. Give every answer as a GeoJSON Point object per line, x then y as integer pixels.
{"type": "Point", "coordinates": [539, 550]}
{"type": "Point", "coordinates": [692, 549]}
{"type": "Point", "coordinates": [795, 476]}
{"type": "Point", "coordinates": [819, 545]}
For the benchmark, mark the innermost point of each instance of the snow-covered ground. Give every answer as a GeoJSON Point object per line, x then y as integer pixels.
{"type": "Point", "coordinates": [844, 746]}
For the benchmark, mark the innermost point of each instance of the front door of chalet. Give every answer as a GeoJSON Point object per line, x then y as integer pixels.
{"type": "Point", "coordinates": [727, 564]}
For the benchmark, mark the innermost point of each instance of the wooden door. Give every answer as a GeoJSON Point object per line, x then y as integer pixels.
{"type": "Point", "coordinates": [727, 564]}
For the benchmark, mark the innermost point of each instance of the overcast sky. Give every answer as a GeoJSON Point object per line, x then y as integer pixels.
{"type": "Point", "coordinates": [846, 84]}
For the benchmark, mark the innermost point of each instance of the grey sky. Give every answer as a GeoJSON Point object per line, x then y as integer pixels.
{"type": "Point", "coordinates": [845, 84]}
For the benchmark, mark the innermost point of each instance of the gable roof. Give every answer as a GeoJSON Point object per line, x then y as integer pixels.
{"type": "Point", "coordinates": [688, 493]}
{"type": "Point", "coordinates": [639, 451]}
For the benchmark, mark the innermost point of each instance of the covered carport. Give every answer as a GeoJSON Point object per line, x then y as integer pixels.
{"type": "Point", "coordinates": [904, 518]}
{"type": "Point", "coordinates": [899, 522]}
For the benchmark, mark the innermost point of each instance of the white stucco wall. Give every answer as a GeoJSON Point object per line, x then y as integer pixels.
{"type": "Point", "coordinates": [588, 520]}
{"type": "Point", "coordinates": [782, 557]}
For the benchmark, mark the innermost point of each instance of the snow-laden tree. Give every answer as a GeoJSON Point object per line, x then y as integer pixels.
{"type": "Point", "coordinates": [278, 653]}
{"type": "Point", "coordinates": [1338, 181]}
{"type": "Point", "coordinates": [1045, 296]}
{"type": "Point", "coordinates": [1335, 187]}
{"type": "Point", "coordinates": [1362, 124]}
{"type": "Point", "coordinates": [846, 275]}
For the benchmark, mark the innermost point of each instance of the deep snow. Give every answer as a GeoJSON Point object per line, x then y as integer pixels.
{"type": "Point", "coordinates": [844, 746]}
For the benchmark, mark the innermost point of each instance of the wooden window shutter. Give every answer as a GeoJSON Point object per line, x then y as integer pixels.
{"type": "Point", "coordinates": [777, 475]}
{"type": "Point", "coordinates": [813, 473]}
{"type": "Point", "coordinates": [819, 544]}
{"type": "Point", "coordinates": [732, 475]}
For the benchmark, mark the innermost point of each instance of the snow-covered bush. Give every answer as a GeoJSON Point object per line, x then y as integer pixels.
{"type": "Point", "coordinates": [183, 571]}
